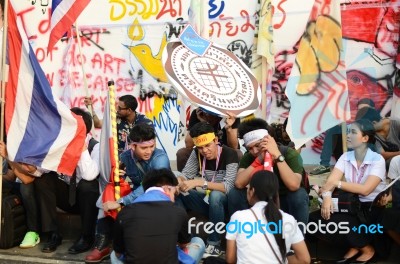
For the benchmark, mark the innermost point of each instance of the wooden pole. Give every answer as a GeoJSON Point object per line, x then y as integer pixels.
{"type": "Point", "coordinates": [264, 77]}
{"type": "Point", "coordinates": [4, 79]}
{"type": "Point", "coordinates": [344, 137]}
{"type": "Point", "coordinates": [85, 85]}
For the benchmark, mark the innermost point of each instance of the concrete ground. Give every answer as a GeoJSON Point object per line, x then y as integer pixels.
{"type": "Point", "coordinates": [320, 251]}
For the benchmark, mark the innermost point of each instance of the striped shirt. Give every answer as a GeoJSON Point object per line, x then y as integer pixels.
{"type": "Point", "coordinates": [225, 171]}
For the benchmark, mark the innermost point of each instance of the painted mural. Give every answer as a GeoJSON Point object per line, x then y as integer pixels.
{"type": "Point", "coordinates": [122, 40]}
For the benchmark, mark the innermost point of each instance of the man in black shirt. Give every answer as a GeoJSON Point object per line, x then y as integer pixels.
{"type": "Point", "coordinates": [149, 230]}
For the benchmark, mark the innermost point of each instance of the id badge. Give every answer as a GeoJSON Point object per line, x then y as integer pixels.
{"type": "Point", "coordinates": [206, 198]}
{"type": "Point", "coordinates": [335, 205]}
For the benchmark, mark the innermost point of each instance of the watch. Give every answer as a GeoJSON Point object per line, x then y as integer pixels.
{"type": "Point", "coordinates": [280, 158]}
{"type": "Point", "coordinates": [120, 201]}
{"type": "Point", "coordinates": [205, 185]}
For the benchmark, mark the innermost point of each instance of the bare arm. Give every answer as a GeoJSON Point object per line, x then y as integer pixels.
{"type": "Point", "coordinates": [388, 155]}
{"type": "Point", "coordinates": [230, 251]}
{"type": "Point", "coordinates": [301, 254]}
{"type": "Point", "coordinates": [231, 133]}
{"type": "Point", "coordinates": [243, 177]}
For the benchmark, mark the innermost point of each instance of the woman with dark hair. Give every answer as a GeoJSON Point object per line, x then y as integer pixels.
{"type": "Point", "coordinates": [364, 173]}
{"type": "Point", "coordinates": [253, 235]}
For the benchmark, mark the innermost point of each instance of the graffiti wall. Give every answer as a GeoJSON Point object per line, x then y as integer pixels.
{"type": "Point", "coordinates": [370, 34]}
{"type": "Point", "coordinates": [122, 40]}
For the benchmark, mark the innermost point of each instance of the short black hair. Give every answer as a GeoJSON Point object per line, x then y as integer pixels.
{"type": "Point", "coordinates": [368, 113]}
{"type": "Point", "coordinates": [254, 124]}
{"type": "Point", "coordinates": [129, 101]}
{"type": "Point", "coordinates": [201, 128]}
{"type": "Point", "coordinates": [142, 132]}
{"type": "Point", "coordinates": [158, 178]}
{"type": "Point", "coordinates": [87, 118]}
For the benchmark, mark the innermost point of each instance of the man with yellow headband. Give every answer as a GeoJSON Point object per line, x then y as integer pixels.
{"type": "Point", "coordinates": [217, 167]}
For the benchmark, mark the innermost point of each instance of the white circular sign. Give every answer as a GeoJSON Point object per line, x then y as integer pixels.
{"type": "Point", "coordinates": [217, 81]}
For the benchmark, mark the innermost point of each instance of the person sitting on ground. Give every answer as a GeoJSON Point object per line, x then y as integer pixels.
{"type": "Point", "coordinates": [142, 234]}
{"type": "Point", "coordinates": [217, 167]}
{"type": "Point", "coordinates": [127, 118]}
{"type": "Point", "coordinates": [242, 247]}
{"type": "Point", "coordinates": [142, 157]}
{"type": "Point", "coordinates": [391, 216]}
{"type": "Point", "coordinates": [333, 141]}
{"type": "Point", "coordinates": [23, 172]}
{"type": "Point", "coordinates": [258, 138]}
{"type": "Point", "coordinates": [364, 172]}
{"type": "Point", "coordinates": [227, 133]}
{"type": "Point", "coordinates": [387, 133]}
{"type": "Point", "coordinates": [77, 193]}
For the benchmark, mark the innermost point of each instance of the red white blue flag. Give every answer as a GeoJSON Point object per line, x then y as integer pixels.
{"type": "Point", "coordinates": [41, 130]}
{"type": "Point", "coordinates": [64, 14]}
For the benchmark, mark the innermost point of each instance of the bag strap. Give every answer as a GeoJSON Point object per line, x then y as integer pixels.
{"type": "Point", "coordinates": [269, 243]}
{"type": "Point", "coordinates": [140, 167]}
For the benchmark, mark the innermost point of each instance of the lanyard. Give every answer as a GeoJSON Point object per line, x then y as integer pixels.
{"type": "Point", "coordinates": [358, 179]}
{"type": "Point", "coordinates": [203, 167]}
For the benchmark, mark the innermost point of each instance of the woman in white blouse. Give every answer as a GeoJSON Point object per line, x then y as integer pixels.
{"type": "Point", "coordinates": [364, 172]}
{"type": "Point", "coordinates": [253, 235]}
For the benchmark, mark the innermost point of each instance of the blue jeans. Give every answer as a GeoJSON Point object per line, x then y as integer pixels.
{"type": "Point", "coordinates": [215, 210]}
{"type": "Point", "coordinates": [296, 204]}
{"type": "Point", "coordinates": [237, 200]}
{"type": "Point", "coordinates": [293, 203]}
{"type": "Point", "coordinates": [196, 250]}
{"type": "Point", "coordinates": [330, 143]}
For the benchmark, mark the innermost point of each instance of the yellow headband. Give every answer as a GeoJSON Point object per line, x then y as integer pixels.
{"type": "Point", "coordinates": [203, 139]}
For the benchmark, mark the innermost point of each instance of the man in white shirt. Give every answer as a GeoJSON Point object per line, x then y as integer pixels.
{"type": "Point", "coordinates": [75, 194]}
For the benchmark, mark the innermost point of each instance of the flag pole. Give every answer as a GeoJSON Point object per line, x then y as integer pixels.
{"type": "Point", "coordinates": [84, 72]}
{"type": "Point", "coordinates": [114, 131]}
{"type": "Point", "coordinates": [4, 79]}
{"type": "Point", "coordinates": [344, 137]}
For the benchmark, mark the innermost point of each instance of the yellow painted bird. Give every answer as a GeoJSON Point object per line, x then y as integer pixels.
{"type": "Point", "coordinates": [152, 64]}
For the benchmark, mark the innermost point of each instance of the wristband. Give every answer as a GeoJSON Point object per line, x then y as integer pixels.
{"type": "Point", "coordinates": [339, 185]}
{"type": "Point", "coordinates": [327, 194]}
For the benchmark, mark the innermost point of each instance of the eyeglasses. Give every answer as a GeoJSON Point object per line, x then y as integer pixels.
{"type": "Point", "coordinates": [121, 108]}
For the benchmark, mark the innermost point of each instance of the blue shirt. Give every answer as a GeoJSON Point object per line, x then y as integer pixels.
{"type": "Point", "coordinates": [158, 160]}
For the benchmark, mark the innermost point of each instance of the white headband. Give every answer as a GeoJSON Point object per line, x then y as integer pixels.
{"type": "Point", "coordinates": [254, 136]}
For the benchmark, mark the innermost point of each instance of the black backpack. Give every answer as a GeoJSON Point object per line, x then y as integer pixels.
{"type": "Point", "coordinates": [13, 225]}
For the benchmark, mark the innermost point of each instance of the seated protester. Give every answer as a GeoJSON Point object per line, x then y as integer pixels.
{"type": "Point", "coordinates": [149, 229]}
{"type": "Point", "coordinates": [23, 172]}
{"type": "Point", "coordinates": [75, 194]}
{"type": "Point", "coordinates": [364, 172]}
{"type": "Point", "coordinates": [288, 167]}
{"type": "Point", "coordinates": [387, 132]}
{"type": "Point", "coordinates": [127, 118]}
{"type": "Point", "coordinates": [242, 247]}
{"type": "Point", "coordinates": [391, 216]}
{"type": "Point", "coordinates": [227, 133]}
{"type": "Point", "coordinates": [142, 157]}
{"type": "Point", "coordinates": [217, 167]}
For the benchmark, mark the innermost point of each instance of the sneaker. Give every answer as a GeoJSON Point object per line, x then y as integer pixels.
{"type": "Point", "coordinates": [212, 251]}
{"type": "Point", "coordinates": [320, 170]}
{"type": "Point", "coordinates": [31, 239]}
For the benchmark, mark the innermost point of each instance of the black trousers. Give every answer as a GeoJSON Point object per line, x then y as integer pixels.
{"type": "Point", "coordinates": [356, 238]}
{"type": "Point", "coordinates": [52, 192]}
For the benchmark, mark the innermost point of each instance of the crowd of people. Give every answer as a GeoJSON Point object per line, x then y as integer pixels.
{"type": "Point", "coordinates": [220, 183]}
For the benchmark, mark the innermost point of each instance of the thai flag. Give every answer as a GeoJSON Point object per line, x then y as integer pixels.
{"type": "Point", "coordinates": [41, 130]}
{"type": "Point", "coordinates": [64, 14]}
